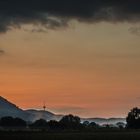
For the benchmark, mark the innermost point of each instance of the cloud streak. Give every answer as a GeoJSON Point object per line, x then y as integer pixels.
{"type": "Point", "coordinates": [70, 109]}
{"type": "Point", "coordinates": [57, 13]}
{"type": "Point", "coordinates": [2, 52]}
{"type": "Point", "coordinates": [135, 31]}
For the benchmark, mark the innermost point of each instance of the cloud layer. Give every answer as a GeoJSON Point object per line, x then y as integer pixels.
{"type": "Point", "coordinates": [57, 13]}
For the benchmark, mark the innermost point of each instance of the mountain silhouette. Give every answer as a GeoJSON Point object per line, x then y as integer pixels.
{"type": "Point", "coordinates": [46, 115]}
{"type": "Point", "coordinates": [9, 109]}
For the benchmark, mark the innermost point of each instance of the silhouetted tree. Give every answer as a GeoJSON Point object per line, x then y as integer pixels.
{"type": "Point", "coordinates": [93, 125]}
{"type": "Point", "coordinates": [53, 125]}
{"type": "Point", "coordinates": [70, 122]}
{"type": "Point", "coordinates": [86, 123]}
{"type": "Point", "coordinates": [12, 122]}
{"type": "Point", "coordinates": [6, 122]}
{"type": "Point", "coordinates": [19, 122]}
{"type": "Point", "coordinates": [121, 125]}
{"type": "Point", "coordinates": [41, 123]}
{"type": "Point", "coordinates": [133, 118]}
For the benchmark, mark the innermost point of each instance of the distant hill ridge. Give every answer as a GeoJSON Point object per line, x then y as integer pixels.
{"type": "Point", "coordinates": [9, 109]}
{"type": "Point", "coordinates": [6, 102]}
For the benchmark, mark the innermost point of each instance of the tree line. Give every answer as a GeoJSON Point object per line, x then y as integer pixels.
{"type": "Point", "coordinates": [69, 122]}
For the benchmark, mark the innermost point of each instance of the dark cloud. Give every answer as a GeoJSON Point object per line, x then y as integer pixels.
{"type": "Point", "coordinates": [57, 13]}
{"type": "Point", "coordinates": [36, 30]}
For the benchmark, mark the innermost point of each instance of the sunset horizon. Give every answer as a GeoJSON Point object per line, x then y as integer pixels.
{"type": "Point", "coordinates": [79, 57]}
{"type": "Point", "coordinates": [47, 110]}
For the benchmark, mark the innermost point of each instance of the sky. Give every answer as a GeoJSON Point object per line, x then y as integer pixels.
{"type": "Point", "coordinates": [80, 57]}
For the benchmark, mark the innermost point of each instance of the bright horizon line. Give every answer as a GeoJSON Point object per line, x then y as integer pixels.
{"type": "Point", "coordinates": [51, 111]}
{"type": "Point", "coordinates": [57, 112]}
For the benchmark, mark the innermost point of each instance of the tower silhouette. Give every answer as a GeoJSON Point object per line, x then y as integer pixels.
{"type": "Point", "coordinates": [44, 107]}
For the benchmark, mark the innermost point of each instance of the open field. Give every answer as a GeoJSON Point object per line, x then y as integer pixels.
{"type": "Point", "coordinates": [109, 135]}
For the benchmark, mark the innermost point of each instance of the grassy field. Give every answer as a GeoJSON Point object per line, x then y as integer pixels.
{"type": "Point", "coordinates": [124, 135]}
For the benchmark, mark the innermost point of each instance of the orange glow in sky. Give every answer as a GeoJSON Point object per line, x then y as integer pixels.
{"type": "Point", "coordinates": [90, 71]}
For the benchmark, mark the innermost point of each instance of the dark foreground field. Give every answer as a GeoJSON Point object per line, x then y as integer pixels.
{"type": "Point", "coordinates": [129, 135]}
